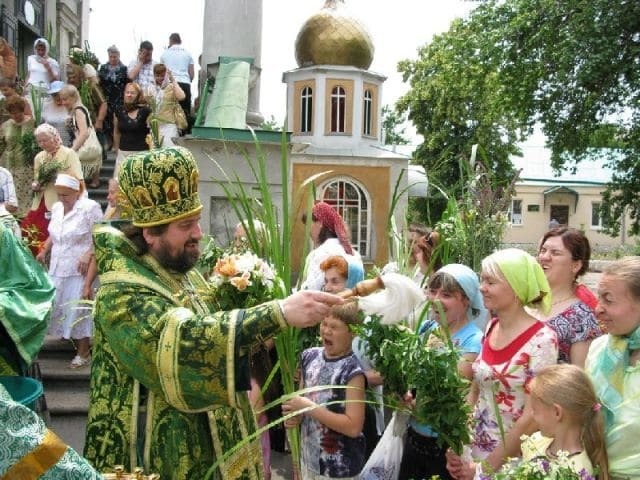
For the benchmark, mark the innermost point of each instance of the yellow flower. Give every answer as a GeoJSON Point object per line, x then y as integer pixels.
{"type": "Point", "coordinates": [226, 267]}
{"type": "Point", "coordinates": [242, 282]}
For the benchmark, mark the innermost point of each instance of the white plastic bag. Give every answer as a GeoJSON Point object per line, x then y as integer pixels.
{"type": "Point", "coordinates": [384, 462]}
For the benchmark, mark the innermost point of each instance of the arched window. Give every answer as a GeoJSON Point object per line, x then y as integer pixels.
{"type": "Point", "coordinates": [352, 202]}
{"type": "Point", "coordinates": [306, 110]}
{"type": "Point", "coordinates": [338, 109]}
{"type": "Point", "coordinates": [367, 113]}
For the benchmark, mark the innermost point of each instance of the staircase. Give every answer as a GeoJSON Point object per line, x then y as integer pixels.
{"type": "Point", "coordinates": [66, 391]}
{"type": "Point", "coordinates": [106, 172]}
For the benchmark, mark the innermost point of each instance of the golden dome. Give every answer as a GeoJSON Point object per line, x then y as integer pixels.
{"type": "Point", "coordinates": [333, 37]}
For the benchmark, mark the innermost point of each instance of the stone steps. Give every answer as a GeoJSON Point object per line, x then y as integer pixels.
{"type": "Point", "coordinates": [106, 172]}
{"type": "Point", "coordinates": [66, 391]}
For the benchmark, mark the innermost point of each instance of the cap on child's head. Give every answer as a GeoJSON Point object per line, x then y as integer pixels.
{"type": "Point", "coordinates": [347, 312]}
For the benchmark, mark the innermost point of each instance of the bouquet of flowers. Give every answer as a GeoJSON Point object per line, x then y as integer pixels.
{"type": "Point", "coordinates": [242, 281]}
{"type": "Point", "coordinates": [83, 56]}
{"type": "Point", "coordinates": [539, 468]}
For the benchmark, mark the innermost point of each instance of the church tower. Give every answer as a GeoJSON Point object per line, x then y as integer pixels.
{"type": "Point", "coordinates": [333, 100]}
{"type": "Point", "coordinates": [334, 116]}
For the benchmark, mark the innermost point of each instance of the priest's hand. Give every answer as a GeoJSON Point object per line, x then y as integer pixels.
{"type": "Point", "coordinates": [307, 308]}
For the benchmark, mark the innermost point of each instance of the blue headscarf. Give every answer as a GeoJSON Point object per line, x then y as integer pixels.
{"type": "Point", "coordinates": [468, 281]}
{"type": "Point", "coordinates": [355, 271]}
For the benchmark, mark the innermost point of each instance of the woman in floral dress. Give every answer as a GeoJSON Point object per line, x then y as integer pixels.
{"type": "Point", "coordinates": [14, 158]}
{"type": "Point", "coordinates": [564, 256]}
{"type": "Point", "coordinates": [515, 346]}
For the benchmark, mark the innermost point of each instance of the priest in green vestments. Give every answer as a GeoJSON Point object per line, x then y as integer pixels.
{"type": "Point", "coordinates": [170, 375]}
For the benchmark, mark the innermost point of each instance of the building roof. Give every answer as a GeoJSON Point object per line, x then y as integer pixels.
{"type": "Point", "coordinates": [360, 150]}
{"type": "Point", "coordinates": [535, 164]}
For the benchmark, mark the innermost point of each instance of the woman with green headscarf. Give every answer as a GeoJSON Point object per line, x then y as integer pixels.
{"type": "Point", "coordinates": [514, 347]}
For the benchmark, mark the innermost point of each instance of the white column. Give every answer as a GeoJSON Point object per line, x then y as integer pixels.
{"type": "Point", "coordinates": [233, 28]}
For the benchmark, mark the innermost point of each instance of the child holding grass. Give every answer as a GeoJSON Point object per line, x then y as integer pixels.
{"type": "Point", "coordinates": [333, 445]}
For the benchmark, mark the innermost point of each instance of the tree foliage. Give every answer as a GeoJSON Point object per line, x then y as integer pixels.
{"type": "Point", "coordinates": [572, 66]}
{"type": "Point", "coordinates": [392, 126]}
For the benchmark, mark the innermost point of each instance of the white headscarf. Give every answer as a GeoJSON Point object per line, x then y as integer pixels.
{"type": "Point", "coordinates": [46, 46]}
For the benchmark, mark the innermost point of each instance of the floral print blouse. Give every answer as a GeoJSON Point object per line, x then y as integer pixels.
{"type": "Point", "coordinates": [575, 324]}
{"type": "Point", "coordinates": [503, 378]}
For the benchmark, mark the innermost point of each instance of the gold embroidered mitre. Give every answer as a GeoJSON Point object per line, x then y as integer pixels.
{"type": "Point", "coordinates": [160, 185]}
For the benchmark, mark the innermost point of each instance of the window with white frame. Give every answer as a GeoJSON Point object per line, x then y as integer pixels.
{"type": "Point", "coordinates": [367, 116]}
{"type": "Point", "coordinates": [306, 110]}
{"type": "Point", "coordinates": [338, 109]}
{"type": "Point", "coordinates": [515, 212]}
{"type": "Point", "coordinates": [352, 202]}
{"type": "Point", "coordinates": [596, 216]}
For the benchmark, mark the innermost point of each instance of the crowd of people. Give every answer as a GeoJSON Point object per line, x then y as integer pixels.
{"type": "Point", "coordinates": [94, 108]}
{"type": "Point", "coordinates": [176, 385]}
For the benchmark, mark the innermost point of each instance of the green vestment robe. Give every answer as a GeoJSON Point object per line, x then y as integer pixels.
{"type": "Point", "coordinates": [169, 375]}
{"type": "Point", "coordinates": [26, 296]}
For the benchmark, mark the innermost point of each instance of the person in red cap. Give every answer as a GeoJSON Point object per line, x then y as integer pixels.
{"type": "Point", "coordinates": [329, 235]}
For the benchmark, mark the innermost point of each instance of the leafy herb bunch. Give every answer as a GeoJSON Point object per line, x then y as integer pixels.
{"type": "Point", "coordinates": [48, 171]}
{"type": "Point", "coordinates": [211, 253]}
{"type": "Point", "coordinates": [28, 147]}
{"type": "Point", "coordinates": [430, 370]}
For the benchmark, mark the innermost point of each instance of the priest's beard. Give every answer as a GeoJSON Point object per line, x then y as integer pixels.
{"type": "Point", "coordinates": [180, 262]}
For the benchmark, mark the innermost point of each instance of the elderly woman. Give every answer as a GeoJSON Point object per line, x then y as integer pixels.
{"type": "Point", "coordinates": [71, 246]}
{"type": "Point", "coordinates": [613, 363]}
{"type": "Point", "coordinates": [166, 94]}
{"type": "Point", "coordinates": [41, 68]}
{"type": "Point", "coordinates": [564, 256]}
{"type": "Point", "coordinates": [130, 125]}
{"type": "Point", "coordinates": [329, 235]}
{"type": "Point", "coordinates": [455, 288]}
{"type": "Point", "coordinates": [55, 158]}
{"type": "Point", "coordinates": [13, 155]}
{"type": "Point", "coordinates": [514, 347]}
{"type": "Point", "coordinates": [81, 130]}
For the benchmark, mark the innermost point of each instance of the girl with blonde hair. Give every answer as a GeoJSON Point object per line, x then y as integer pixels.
{"type": "Point", "coordinates": [565, 407]}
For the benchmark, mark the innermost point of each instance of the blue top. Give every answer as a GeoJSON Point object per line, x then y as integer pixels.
{"type": "Point", "coordinates": [467, 340]}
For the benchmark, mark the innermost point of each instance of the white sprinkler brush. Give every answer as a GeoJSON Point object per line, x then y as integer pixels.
{"type": "Point", "coordinates": [391, 296]}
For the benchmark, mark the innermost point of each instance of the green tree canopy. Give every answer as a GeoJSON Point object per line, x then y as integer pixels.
{"type": "Point", "coordinates": [572, 66]}
{"type": "Point", "coordinates": [394, 131]}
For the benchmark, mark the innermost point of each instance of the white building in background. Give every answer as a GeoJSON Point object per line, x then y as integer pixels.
{"type": "Point", "coordinates": [572, 199]}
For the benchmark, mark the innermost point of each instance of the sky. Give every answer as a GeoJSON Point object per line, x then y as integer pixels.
{"type": "Point", "coordinates": [398, 28]}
